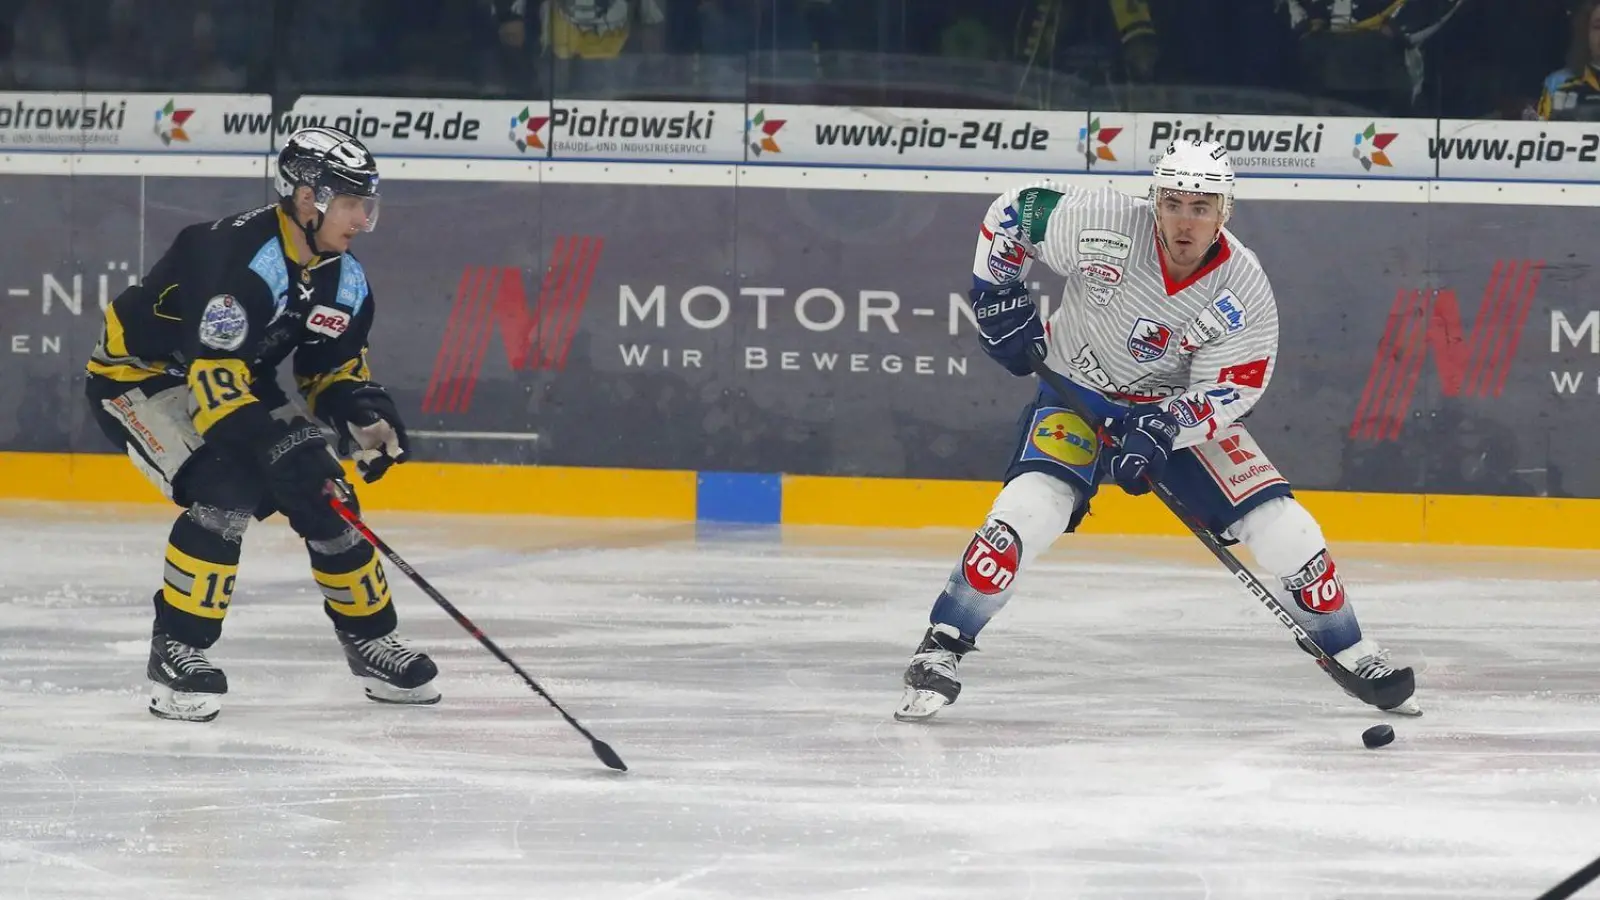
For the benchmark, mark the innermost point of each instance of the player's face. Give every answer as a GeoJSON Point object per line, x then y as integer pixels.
{"type": "Point", "coordinates": [1189, 224]}
{"type": "Point", "coordinates": [1594, 33]}
{"type": "Point", "coordinates": [347, 216]}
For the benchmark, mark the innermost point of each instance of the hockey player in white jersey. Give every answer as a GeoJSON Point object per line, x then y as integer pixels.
{"type": "Point", "coordinates": [1168, 328]}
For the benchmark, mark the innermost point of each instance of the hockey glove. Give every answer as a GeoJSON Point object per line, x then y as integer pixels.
{"type": "Point", "coordinates": [1008, 325]}
{"type": "Point", "coordinates": [370, 430]}
{"type": "Point", "coordinates": [1144, 441]}
{"type": "Point", "coordinates": [299, 466]}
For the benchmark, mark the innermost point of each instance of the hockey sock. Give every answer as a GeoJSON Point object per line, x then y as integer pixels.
{"type": "Point", "coordinates": [355, 591]}
{"type": "Point", "coordinates": [1288, 544]}
{"type": "Point", "coordinates": [202, 563]}
{"type": "Point", "coordinates": [1027, 516]}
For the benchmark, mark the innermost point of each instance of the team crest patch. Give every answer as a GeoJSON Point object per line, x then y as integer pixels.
{"type": "Point", "coordinates": [223, 323]}
{"type": "Point", "coordinates": [1148, 340]}
{"type": "Point", "coordinates": [1006, 256]}
{"type": "Point", "coordinates": [1058, 435]}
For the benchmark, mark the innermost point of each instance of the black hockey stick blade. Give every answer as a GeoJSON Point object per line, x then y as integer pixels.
{"type": "Point", "coordinates": [1345, 678]}
{"type": "Point", "coordinates": [338, 499]}
{"type": "Point", "coordinates": [1576, 882]}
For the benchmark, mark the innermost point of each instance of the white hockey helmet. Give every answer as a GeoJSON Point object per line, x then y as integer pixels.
{"type": "Point", "coordinates": [1195, 167]}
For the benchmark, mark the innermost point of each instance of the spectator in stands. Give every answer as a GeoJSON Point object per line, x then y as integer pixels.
{"type": "Point", "coordinates": [1367, 52]}
{"type": "Point", "coordinates": [1573, 92]}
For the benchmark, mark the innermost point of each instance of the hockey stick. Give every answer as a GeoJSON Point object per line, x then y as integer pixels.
{"type": "Point", "coordinates": [1574, 883]}
{"type": "Point", "coordinates": [1345, 678]}
{"type": "Point", "coordinates": [338, 497]}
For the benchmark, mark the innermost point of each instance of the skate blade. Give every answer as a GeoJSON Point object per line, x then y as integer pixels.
{"type": "Point", "coordinates": [165, 703]}
{"type": "Point", "coordinates": [382, 691]}
{"type": "Point", "coordinates": [1409, 708]}
{"type": "Point", "coordinates": [919, 705]}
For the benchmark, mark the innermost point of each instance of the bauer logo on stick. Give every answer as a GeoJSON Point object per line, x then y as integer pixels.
{"type": "Point", "coordinates": [992, 559]}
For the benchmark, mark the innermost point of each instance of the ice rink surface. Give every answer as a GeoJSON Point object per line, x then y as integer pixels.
{"type": "Point", "coordinates": [1133, 726]}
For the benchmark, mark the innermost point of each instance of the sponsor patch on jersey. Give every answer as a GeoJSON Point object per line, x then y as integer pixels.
{"type": "Point", "coordinates": [1149, 339]}
{"type": "Point", "coordinates": [223, 323]}
{"type": "Point", "coordinates": [1252, 374]}
{"type": "Point", "coordinates": [328, 321]}
{"type": "Point", "coordinates": [1103, 272]}
{"type": "Point", "coordinates": [1230, 312]}
{"type": "Point", "coordinates": [1006, 256]}
{"type": "Point", "coordinates": [1099, 294]}
{"type": "Point", "coordinates": [992, 559]}
{"type": "Point", "coordinates": [1104, 242]}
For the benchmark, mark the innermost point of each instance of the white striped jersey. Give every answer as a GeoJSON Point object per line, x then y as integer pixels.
{"type": "Point", "coordinates": [1205, 348]}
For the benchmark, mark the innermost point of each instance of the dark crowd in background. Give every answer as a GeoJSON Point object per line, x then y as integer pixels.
{"type": "Point", "coordinates": [1501, 59]}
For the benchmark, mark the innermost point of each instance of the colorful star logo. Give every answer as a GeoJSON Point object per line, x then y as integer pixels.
{"type": "Point", "coordinates": [169, 123]}
{"type": "Point", "coordinates": [760, 131]}
{"type": "Point", "coordinates": [1094, 142]}
{"type": "Point", "coordinates": [525, 128]}
{"type": "Point", "coordinates": [1370, 147]}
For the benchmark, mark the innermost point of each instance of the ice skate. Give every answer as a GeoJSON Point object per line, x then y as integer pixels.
{"type": "Point", "coordinates": [1383, 686]}
{"type": "Point", "coordinates": [185, 686]}
{"type": "Point", "coordinates": [931, 683]}
{"type": "Point", "coordinates": [390, 670]}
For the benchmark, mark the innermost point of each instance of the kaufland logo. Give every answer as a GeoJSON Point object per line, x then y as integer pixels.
{"type": "Point", "coordinates": [1372, 147]}
{"type": "Point", "coordinates": [1094, 142]}
{"type": "Point", "coordinates": [525, 128]}
{"type": "Point", "coordinates": [761, 132]}
{"type": "Point", "coordinates": [1475, 363]}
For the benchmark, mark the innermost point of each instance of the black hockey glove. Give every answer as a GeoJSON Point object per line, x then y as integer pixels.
{"type": "Point", "coordinates": [1008, 325]}
{"type": "Point", "coordinates": [1144, 441]}
{"type": "Point", "coordinates": [369, 427]}
{"type": "Point", "coordinates": [299, 466]}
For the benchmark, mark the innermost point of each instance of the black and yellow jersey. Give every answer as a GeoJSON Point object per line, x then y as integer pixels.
{"type": "Point", "coordinates": [1569, 96]}
{"type": "Point", "coordinates": [225, 305]}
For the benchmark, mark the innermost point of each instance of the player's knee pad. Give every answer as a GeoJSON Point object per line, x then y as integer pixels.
{"type": "Point", "coordinates": [228, 524]}
{"type": "Point", "coordinates": [355, 590]}
{"type": "Point", "coordinates": [1030, 512]}
{"type": "Point", "coordinates": [1288, 543]}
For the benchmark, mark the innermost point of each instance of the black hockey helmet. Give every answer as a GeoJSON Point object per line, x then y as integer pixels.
{"type": "Point", "coordinates": [330, 162]}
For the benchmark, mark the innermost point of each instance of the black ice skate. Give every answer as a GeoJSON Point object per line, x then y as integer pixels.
{"type": "Point", "coordinates": [931, 683]}
{"type": "Point", "coordinates": [184, 684]}
{"type": "Point", "coordinates": [390, 670]}
{"type": "Point", "coordinates": [1382, 685]}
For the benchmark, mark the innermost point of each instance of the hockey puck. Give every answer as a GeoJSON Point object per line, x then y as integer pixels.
{"type": "Point", "coordinates": [1377, 736]}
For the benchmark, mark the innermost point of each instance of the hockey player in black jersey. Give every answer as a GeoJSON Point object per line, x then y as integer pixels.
{"type": "Point", "coordinates": [184, 378]}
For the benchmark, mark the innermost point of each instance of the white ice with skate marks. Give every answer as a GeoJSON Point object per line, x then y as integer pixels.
{"type": "Point", "coordinates": [1134, 726]}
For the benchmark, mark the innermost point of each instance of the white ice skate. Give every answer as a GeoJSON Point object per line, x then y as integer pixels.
{"type": "Point", "coordinates": [930, 680]}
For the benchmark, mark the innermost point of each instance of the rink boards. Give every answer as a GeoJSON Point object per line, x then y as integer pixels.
{"type": "Point", "coordinates": [791, 344]}
{"type": "Point", "coordinates": [732, 497]}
